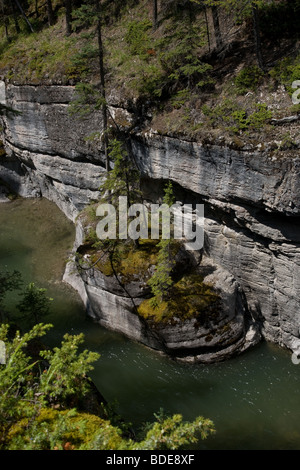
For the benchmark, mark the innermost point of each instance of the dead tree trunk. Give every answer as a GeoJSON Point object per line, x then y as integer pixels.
{"type": "Point", "coordinates": [216, 21]}
{"type": "Point", "coordinates": [102, 82]}
{"type": "Point", "coordinates": [257, 40]}
{"type": "Point", "coordinates": [24, 15]}
{"type": "Point", "coordinates": [68, 7]}
{"type": "Point", "coordinates": [155, 13]}
{"type": "Point", "coordinates": [50, 13]}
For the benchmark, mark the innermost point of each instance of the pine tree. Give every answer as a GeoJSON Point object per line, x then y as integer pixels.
{"type": "Point", "coordinates": [90, 14]}
{"type": "Point", "coordinates": [256, 32]}
{"type": "Point", "coordinates": [36, 395]}
{"type": "Point", "coordinates": [218, 35]}
{"type": "Point", "coordinates": [124, 178]}
{"type": "Point", "coordinates": [10, 11]}
{"type": "Point", "coordinates": [8, 282]}
{"type": "Point", "coordinates": [162, 281]}
{"type": "Point", "coordinates": [179, 47]}
{"type": "Point", "coordinates": [243, 9]}
{"type": "Point", "coordinates": [35, 304]}
{"type": "Point", "coordinates": [15, 16]}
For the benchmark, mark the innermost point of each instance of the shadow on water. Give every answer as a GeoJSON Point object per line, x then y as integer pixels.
{"type": "Point", "coordinates": [252, 399]}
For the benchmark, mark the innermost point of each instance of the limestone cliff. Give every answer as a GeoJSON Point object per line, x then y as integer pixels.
{"type": "Point", "coordinates": [251, 197]}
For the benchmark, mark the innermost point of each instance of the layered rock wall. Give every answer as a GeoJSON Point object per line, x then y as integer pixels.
{"type": "Point", "coordinates": [252, 223]}
{"type": "Point", "coordinates": [251, 195]}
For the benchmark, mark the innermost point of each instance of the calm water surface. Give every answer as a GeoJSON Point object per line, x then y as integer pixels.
{"type": "Point", "coordinates": [254, 399]}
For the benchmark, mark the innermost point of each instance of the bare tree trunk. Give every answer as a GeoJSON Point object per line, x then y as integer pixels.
{"type": "Point", "coordinates": [68, 7]}
{"type": "Point", "coordinates": [102, 81]}
{"type": "Point", "coordinates": [24, 15]}
{"type": "Point", "coordinates": [207, 28]}
{"type": "Point", "coordinates": [15, 18]}
{"type": "Point", "coordinates": [217, 28]}
{"type": "Point", "coordinates": [36, 9]}
{"type": "Point", "coordinates": [6, 30]}
{"type": "Point", "coordinates": [155, 13]}
{"type": "Point", "coordinates": [50, 13]}
{"type": "Point", "coordinates": [257, 40]}
{"type": "Point", "coordinates": [6, 25]}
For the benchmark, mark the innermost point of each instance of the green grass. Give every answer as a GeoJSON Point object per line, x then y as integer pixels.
{"type": "Point", "coordinates": [32, 58]}
{"type": "Point", "coordinates": [161, 69]}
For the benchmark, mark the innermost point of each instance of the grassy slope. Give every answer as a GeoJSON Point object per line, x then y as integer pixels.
{"type": "Point", "coordinates": [226, 111]}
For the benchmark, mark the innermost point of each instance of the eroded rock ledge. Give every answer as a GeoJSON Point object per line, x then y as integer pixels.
{"type": "Point", "coordinates": [251, 197]}
{"type": "Point", "coordinates": [214, 338]}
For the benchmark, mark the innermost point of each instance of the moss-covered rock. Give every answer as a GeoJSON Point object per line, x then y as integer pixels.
{"type": "Point", "coordinates": [189, 298]}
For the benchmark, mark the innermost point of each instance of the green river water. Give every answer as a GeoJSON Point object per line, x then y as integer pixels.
{"type": "Point", "coordinates": [253, 400]}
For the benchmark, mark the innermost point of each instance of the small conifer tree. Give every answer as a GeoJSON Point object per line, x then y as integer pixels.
{"type": "Point", "coordinates": [161, 281]}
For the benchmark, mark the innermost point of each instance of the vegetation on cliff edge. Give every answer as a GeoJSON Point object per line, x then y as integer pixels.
{"type": "Point", "coordinates": [48, 401]}
{"type": "Point", "coordinates": [198, 69]}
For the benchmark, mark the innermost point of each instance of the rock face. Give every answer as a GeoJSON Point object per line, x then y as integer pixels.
{"type": "Point", "coordinates": [47, 150]}
{"type": "Point", "coordinates": [229, 331]}
{"type": "Point", "coordinates": [251, 198]}
{"type": "Point", "coordinates": [251, 221]}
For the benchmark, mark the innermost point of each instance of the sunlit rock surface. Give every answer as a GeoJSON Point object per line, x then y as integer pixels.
{"type": "Point", "coordinates": [251, 198]}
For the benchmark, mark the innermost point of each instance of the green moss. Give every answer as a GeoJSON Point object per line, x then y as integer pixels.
{"type": "Point", "coordinates": [131, 262]}
{"type": "Point", "coordinates": [64, 430]}
{"type": "Point", "coordinates": [137, 262]}
{"type": "Point", "coordinates": [189, 298]}
{"type": "Point", "coordinates": [91, 236]}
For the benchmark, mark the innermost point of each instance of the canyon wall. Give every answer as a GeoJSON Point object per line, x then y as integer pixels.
{"type": "Point", "coordinates": [251, 194]}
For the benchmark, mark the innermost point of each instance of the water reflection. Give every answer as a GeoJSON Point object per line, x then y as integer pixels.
{"type": "Point", "coordinates": [253, 399]}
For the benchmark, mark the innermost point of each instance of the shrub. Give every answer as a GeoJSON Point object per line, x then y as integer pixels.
{"type": "Point", "coordinates": [236, 119]}
{"type": "Point", "coordinates": [70, 430]}
{"type": "Point", "coordinates": [259, 118]}
{"type": "Point", "coordinates": [286, 72]}
{"type": "Point", "coordinates": [248, 79]}
{"type": "Point", "coordinates": [28, 388]}
{"type": "Point", "coordinates": [137, 37]}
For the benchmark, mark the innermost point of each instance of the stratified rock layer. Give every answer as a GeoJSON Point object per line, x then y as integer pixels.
{"type": "Point", "coordinates": [218, 336]}
{"type": "Point", "coordinates": [251, 197]}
